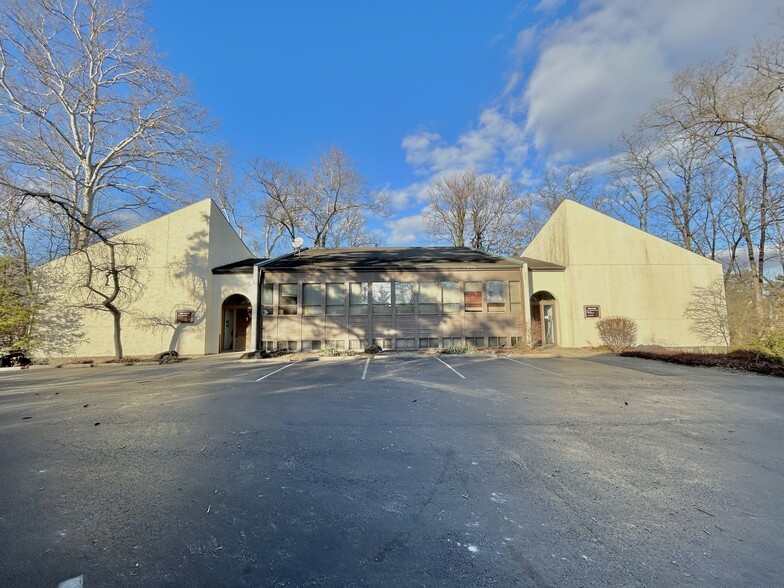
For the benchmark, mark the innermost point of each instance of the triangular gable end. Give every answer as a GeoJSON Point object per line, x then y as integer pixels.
{"type": "Point", "coordinates": [578, 235]}
{"type": "Point", "coordinates": [225, 245]}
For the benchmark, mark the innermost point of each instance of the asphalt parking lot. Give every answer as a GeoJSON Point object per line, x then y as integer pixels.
{"type": "Point", "coordinates": [392, 471]}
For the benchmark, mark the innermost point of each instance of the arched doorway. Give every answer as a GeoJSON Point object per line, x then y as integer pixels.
{"type": "Point", "coordinates": [543, 331]}
{"type": "Point", "coordinates": [235, 331]}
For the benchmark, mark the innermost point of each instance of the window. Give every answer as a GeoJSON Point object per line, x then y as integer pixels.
{"type": "Point", "coordinates": [450, 296]}
{"type": "Point", "coordinates": [336, 300]}
{"type": "Point", "coordinates": [514, 298]}
{"type": "Point", "coordinates": [287, 345]}
{"type": "Point", "coordinates": [336, 343]}
{"type": "Point", "coordinates": [428, 343]}
{"type": "Point", "coordinates": [404, 297]}
{"type": "Point", "coordinates": [475, 341]}
{"type": "Point", "coordinates": [266, 298]}
{"type": "Point", "coordinates": [383, 343]}
{"type": "Point", "coordinates": [473, 296]}
{"type": "Point", "coordinates": [356, 343]}
{"type": "Point", "coordinates": [287, 301]}
{"type": "Point", "coordinates": [447, 341]}
{"type": "Point", "coordinates": [382, 298]}
{"type": "Point", "coordinates": [311, 299]}
{"type": "Point", "coordinates": [496, 342]}
{"type": "Point", "coordinates": [358, 299]}
{"type": "Point", "coordinates": [428, 297]}
{"type": "Point", "coordinates": [495, 297]}
{"type": "Point", "coordinates": [312, 345]}
{"type": "Point", "coordinates": [268, 345]}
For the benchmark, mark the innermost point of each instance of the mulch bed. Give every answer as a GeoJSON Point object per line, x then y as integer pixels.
{"type": "Point", "coordinates": [742, 360]}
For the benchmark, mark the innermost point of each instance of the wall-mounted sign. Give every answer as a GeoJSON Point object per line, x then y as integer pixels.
{"type": "Point", "coordinates": [184, 316]}
{"type": "Point", "coordinates": [593, 311]}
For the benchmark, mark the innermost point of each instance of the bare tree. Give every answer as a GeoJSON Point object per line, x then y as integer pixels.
{"type": "Point", "coordinates": [570, 182]}
{"type": "Point", "coordinates": [278, 205]}
{"type": "Point", "coordinates": [738, 96]}
{"type": "Point", "coordinates": [326, 203]}
{"type": "Point", "coordinates": [110, 276]}
{"type": "Point", "coordinates": [95, 129]}
{"type": "Point", "coordinates": [707, 314]}
{"type": "Point", "coordinates": [484, 211]}
{"type": "Point", "coordinates": [220, 182]}
{"type": "Point", "coordinates": [90, 113]}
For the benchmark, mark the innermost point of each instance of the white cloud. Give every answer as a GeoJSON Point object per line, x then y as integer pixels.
{"type": "Point", "coordinates": [495, 141]}
{"type": "Point", "coordinates": [548, 5]}
{"type": "Point", "coordinates": [599, 70]}
{"type": "Point", "coordinates": [402, 198]}
{"type": "Point", "coordinates": [407, 230]}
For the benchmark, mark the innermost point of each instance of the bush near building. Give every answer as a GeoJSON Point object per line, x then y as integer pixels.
{"type": "Point", "coordinates": [618, 333]}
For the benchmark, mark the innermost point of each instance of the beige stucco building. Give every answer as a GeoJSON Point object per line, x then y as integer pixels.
{"type": "Point", "coordinates": [604, 267]}
{"type": "Point", "coordinates": [189, 284]}
{"type": "Point", "coordinates": [169, 263]}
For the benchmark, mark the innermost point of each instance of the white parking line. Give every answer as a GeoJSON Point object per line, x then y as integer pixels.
{"type": "Point", "coordinates": [533, 366]}
{"type": "Point", "coordinates": [276, 371]}
{"type": "Point", "coordinates": [76, 582]}
{"type": "Point", "coordinates": [364, 372]}
{"type": "Point", "coordinates": [450, 367]}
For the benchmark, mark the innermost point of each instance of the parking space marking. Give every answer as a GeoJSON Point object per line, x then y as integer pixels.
{"type": "Point", "coordinates": [76, 582]}
{"type": "Point", "coordinates": [364, 372]}
{"type": "Point", "coordinates": [533, 366]}
{"type": "Point", "coordinates": [450, 367]}
{"type": "Point", "coordinates": [276, 371]}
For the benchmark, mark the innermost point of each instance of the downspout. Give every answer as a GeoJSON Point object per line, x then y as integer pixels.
{"type": "Point", "coordinates": [260, 311]}
{"type": "Point", "coordinates": [526, 301]}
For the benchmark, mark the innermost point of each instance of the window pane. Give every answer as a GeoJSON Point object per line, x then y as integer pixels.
{"type": "Point", "coordinates": [451, 295]}
{"type": "Point", "coordinates": [382, 298]}
{"type": "Point", "coordinates": [336, 299]}
{"type": "Point", "coordinates": [514, 292]}
{"type": "Point", "coordinates": [336, 294]}
{"type": "Point", "coordinates": [473, 296]}
{"type": "Point", "coordinates": [404, 297]}
{"type": "Point", "coordinates": [495, 296]}
{"type": "Point", "coordinates": [266, 298]}
{"type": "Point", "coordinates": [358, 299]}
{"type": "Point", "coordinates": [311, 294]}
{"type": "Point", "coordinates": [287, 301]}
{"type": "Point", "coordinates": [428, 292]}
{"type": "Point", "coordinates": [404, 292]}
{"type": "Point", "coordinates": [382, 293]}
{"type": "Point", "coordinates": [359, 294]}
{"type": "Point", "coordinates": [288, 293]}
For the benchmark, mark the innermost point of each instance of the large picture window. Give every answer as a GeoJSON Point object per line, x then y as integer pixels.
{"type": "Point", "coordinates": [515, 299]}
{"type": "Point", "coordinates": [311, 299]}
{"type": "Point", "coordinates": [428, 297]}
{"type": "Point", "coordinates": [473, 296]}
{"type": "Point", "coordinates": [495, 296]}
{"type": "Point", "coordinates": [450, 296]}
{"type": "Point", "coordinates": [404, 297]}
{"type": "Point", "coordinates": [336, 300]}
{"type": "Point", "coordinates": [287, 301]}
{"type": "Point", "coordinates": [266, 298]}
{"type": "Point", "coordinates": [358, 299]}
{"type": "Point", "coordinates": [382, 298]}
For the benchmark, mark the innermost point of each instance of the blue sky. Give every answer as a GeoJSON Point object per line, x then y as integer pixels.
{"type": "Point", "coordinates": [411, 90]}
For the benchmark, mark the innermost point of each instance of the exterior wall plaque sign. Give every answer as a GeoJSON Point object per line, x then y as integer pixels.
{"type": "Point", "coordinates": [593, 311]}
{"type": "Point", "coordinates": [184, 316]}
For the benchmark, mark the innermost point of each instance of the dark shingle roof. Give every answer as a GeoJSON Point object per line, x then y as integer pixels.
{"type": "Point", "coordinates": [387, 258]}
{"type": "Point", "coordinates": [244, 266]}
